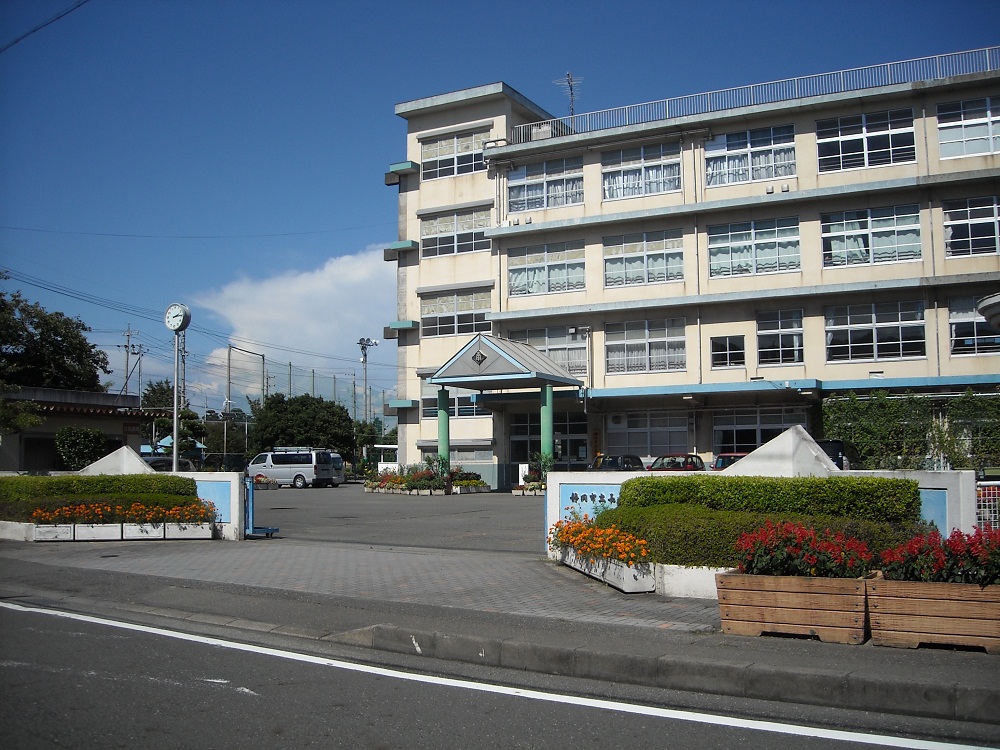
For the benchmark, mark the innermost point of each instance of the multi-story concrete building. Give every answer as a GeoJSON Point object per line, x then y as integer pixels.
{"type": "Point", "coordinates": [709, 267]}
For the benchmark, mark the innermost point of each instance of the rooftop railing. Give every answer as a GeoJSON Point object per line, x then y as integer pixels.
{"type": "Point", "coordinates": [872, 76]}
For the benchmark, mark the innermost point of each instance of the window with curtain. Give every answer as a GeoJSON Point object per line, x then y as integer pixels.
{"type": "Point", "coordinates": [460, 232]}
{"type": "Point", "coordinates": [750, 156]}
{"type": "Point", "coordinates": [754, 247]}
{"type": "Point", "coordinates": [970, 333]}
{"type": "Point", "coordinates": [548, 184]}
{"type": "Point", "coordinates": [645, 346]}
{"type": "Point", "coordinates": [779, 337]}
{"type": "Point", "coordinates": [643, 170]}
{"type": "Point", "coordinates": [452, 154]}
{"type": "Point", "coordinates": [873, 235]}
{"type": "Point", "coordinates": [540, 269]}
{"type": "Point", "coordinates": [972, 226]}
{"type": "Point", "coordinates": [872, 332]}
{"type": "Point", "coordinates": [643, 258]}
{"type": "Point", "coordinates": [454, 313]}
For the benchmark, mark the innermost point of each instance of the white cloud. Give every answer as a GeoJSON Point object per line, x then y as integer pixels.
{"type": "Point", "coordinates": [322, 311]}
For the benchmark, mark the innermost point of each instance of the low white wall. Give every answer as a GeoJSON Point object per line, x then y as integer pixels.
{"type": "Point", "coordinates": [683, 582]}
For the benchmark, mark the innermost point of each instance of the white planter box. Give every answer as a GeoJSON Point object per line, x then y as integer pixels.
{"type": "Point", "coordinates": [60, 532]}
{"type": "Point", "coordinates": [635, 580]}
{"type": "Point", "coordinates": [187, 530]}
{"type": "Point", "coordinates": [137, 531]}
{"type": "Point", "coordinates": [97, 532]}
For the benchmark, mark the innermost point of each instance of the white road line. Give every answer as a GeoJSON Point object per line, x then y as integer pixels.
{"type": "Point", "coordinates": [663, 713]}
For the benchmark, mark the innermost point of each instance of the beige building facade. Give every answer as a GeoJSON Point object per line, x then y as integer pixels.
{"type": "Point", "coordinates": [710, 267]}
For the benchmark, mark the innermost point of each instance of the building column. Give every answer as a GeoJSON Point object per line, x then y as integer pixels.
{"type": "Point", "coordinates": [444, 439]}
{"type": "Point", "coordinates": [548, 436]}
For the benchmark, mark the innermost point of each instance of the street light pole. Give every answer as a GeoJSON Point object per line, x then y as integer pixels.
{"type": "Point", "coordinates": [365, 344]}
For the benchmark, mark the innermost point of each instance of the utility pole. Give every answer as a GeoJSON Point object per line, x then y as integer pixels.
{"type": "Point", "coordinates": [365, 344]}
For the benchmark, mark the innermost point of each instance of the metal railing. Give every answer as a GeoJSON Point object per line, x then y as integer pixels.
{"type": "Point", "coordinates": [988, 504]}
{"type": "Point", "coordinates": [822, 84]}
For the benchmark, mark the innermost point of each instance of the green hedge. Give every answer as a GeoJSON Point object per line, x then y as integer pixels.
{"type": "Point", "coordinates": [20, 495]}
{"type": "Point", "coordinates": [864, 498]}
{"type": "Point", "coordinates": [690, 534]}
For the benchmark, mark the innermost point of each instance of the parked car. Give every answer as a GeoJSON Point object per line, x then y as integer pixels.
{"type": "Point", "coordinates": [612, 462]}
{"type": "Point", "coordinates": [166, 463]}
{"type": "Point", "coordinates": [678, 462]}
{"type": "Point", "coordinates": [725, 460]}
{"type": "Point", "coordinates": [299, 467]}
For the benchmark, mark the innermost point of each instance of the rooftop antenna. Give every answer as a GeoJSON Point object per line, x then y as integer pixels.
{"type": "Point", "coordinates": [570, 85]}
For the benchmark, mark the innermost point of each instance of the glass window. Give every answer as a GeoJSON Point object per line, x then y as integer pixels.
{"type": "Point", "coordinates": [970, 333]}
{"type": "Point", "coordinates": [460, 402]}
{"type": "Point", "coordinates": [743, 430]}
{"type": "Point", "coordinates": [452, 154]}
{"type": "Point", "coordinates": [549, 184]}
{"type": "Point", "coordinates": [643, 258]}
{"type": "Point", "coordinates": [454, 313]}
{"type": "Point", "coordinates": [969, 128]}
{"type": "Point", "coordinates": [876, 235]}
{"type": "Point", "coordinates": [870, 140]}
{"type": "Point", "coordinates": [779, 337]}
{"type": "Point", "coordinates": [972, 226]}
{"type": "Point", "coordinates": [651, 433]}
{"type": "Point", "coordinates": [645, 346]}
{"type": "Point", "coordinates": [754, 247]}
{"type": "Point", "coordinates": [564, 345]}
{"type": "Point", "coordinates": [540, 269]}
{"type": "Point", "coordinates": [643, 170]}
{"type": "Point", "coordinates": [750, 155]}
{"type": "Point", "coordinates": [887, 330]}
{"type": "Point", "coordinates": [728, 351]}
{"type": "Point", "coordinates": [451, 233]}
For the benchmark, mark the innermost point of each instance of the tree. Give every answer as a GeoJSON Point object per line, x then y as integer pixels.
{"type": "Point", "coordinates": [974, 419]}
{"type": "Point", "coordinates": [301, 420]}
{"type": "Point", "coordinates": [39, 349]}
{"type": "Point", "coordinates": [80, 446]}
{"type": "Point", "coordinates": [15, 414]}
{"type": "Point", "coordinates": [159, 394]}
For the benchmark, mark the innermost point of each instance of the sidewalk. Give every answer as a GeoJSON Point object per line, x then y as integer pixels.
{"type": "Point", "coordinates": [513, 610]}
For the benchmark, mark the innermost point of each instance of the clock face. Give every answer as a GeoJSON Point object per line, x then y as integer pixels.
{"type": "Point", "coordinates": [177, 317]}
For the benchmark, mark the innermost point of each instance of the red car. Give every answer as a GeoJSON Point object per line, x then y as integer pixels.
{"type": "Point", "coordinates": [678, 462]}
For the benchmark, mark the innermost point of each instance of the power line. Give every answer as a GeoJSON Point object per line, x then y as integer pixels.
{"type": "Point", "coordinates": [128, 235]}
{"type": "Point", "coordinates": [42, 25]}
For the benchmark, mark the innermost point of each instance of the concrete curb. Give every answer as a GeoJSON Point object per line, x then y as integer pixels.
{"type": "Point", "coordinates": [744, 679]}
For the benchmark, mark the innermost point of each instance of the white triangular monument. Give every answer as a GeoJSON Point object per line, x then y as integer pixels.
{"type": "Point", "coordinates": [123, 461]}
{"type": "Point", "coordinates": [792, 454]}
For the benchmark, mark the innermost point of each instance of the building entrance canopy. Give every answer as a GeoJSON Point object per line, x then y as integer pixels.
{"type": "Point", "coordinates": [487, 363]}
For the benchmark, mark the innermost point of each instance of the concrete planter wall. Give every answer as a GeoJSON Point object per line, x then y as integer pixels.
{"type": "Point", "coordinates": [630, 580]}
{"type": "Point", "coordinates": [97, 532]}
{"type": "Point", "coordinates": [141, 531]}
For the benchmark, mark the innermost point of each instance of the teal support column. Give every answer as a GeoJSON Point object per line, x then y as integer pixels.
{"type": "Point", "coordinates": [444, 437]}
{"type": "Point", "coordinates": [548, 434]}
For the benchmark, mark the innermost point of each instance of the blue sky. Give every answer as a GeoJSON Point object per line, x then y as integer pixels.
{"type": "Point", "coordinates": [230, 154]}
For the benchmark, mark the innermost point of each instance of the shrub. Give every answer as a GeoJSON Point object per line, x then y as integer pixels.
{"type": "Point", "coordinates": [961, 558]}
{"type": "Point", "coordinates": [867, 498]}
{"type": "Point", "coordinates": [792, 549]}
{"type": "Point", "coordinates": [686, 534]}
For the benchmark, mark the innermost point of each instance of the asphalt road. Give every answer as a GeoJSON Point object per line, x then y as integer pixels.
{"type": "Point", "coordinates": [70, 682]}
{"type": "Point", "coordinates": [489, 521]}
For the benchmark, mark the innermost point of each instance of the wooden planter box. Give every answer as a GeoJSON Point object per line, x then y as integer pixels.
{"type": "Point", "coordinates": [908, 613]}
{"type": "Point", "coordinates": [831, 609]}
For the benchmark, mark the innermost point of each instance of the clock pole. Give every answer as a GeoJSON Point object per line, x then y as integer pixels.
{"type": "Point", "coordinates": [176, 318]}
{"type": "Point", "coordinates": [177, 338]}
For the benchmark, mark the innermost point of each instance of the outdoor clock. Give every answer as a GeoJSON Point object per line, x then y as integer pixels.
{"type": "Point", "coordinates": [177, 317]}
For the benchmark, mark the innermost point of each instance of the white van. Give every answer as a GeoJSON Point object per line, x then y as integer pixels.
{"type": "Point", "coordinates": [336, 469]}
{"type": "Point", "coordinates": [298, 467]}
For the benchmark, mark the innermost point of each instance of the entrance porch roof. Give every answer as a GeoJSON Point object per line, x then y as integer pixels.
{"type": "Point", "coordinates": [488, 363]}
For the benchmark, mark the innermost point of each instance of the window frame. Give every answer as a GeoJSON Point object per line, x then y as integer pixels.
{"type": "Point", "coordinates": [453, 161]}
{"type": "Point", "coordinates": [872, 229]}
{"type": "Point", "coordinates": [780, 338]}
{"type": "Point", "coordinates": [558, 344]}
{"type": "Point", "coordinates": [644, 247]}
{"type": "Point", "coordinates": [737, 154]}
{"type": "Point", "coordinates": [981, 338]}
{"type": "Point", "coordinates": [641, 340]}
{"type": "Point", "coordinates": [554, 183]}
{"type": "Point", "coordinates": [751, 238]}
{"type": "Point", "coordinates": [956, 120]}
{"type": "Point", "coordinates": [728, 352]}
{"type": "Point", "coordinates": [548, 259]}
{"type": "Point", "coordinates": [870, 138]}
{"type": "Point", "coordinates": [460, 404]}
{"type": "Point", "coordinates": [988, 216]}
{"type": "Point", "coordinates": [478, 303]}
{"type": "Point", "coordinates": [870, 326]}
{"type": "Point", "coordinates": [644, 162]}
{"type": "Point", "coordinates": [435, 244]}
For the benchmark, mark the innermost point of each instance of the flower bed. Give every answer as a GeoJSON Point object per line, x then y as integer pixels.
{"type": "Point", "coordinates": [113, 522]}
{"type": "Point", "coordinates": [616, 557]}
